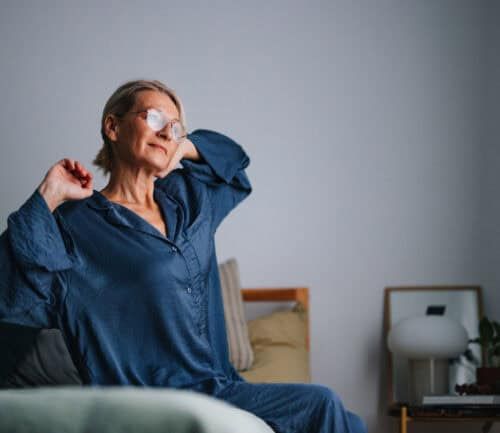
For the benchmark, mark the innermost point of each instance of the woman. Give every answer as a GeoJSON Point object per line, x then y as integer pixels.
{"type": "Point", "coordinates": [129, 273]}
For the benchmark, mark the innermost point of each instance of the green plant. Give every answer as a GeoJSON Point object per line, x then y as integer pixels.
{"type": "Point", "coordinates": [489, 340]}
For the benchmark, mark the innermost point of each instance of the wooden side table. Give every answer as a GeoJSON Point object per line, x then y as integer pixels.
{"type": "Point", "coordinates": [486, 415]}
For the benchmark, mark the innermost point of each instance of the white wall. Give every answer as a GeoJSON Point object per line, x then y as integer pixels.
{"type": "Point", "coordinates": [362, 119]}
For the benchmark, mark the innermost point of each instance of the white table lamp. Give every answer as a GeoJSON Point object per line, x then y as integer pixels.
{"type": "Point", "coordinates": [428, 342]}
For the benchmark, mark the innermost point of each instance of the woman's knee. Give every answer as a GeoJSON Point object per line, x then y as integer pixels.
{"type": "Point", "coordinates": [356, 424]}
{"type": "Point", "coordinates": [329, 406]}
{"type": "Point", "coordinates": [326, 395]}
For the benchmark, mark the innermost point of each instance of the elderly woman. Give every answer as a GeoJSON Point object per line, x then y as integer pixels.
{"type": "Point", "coordinates": [129, 273]}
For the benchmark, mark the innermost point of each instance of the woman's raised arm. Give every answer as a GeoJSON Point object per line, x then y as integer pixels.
{"type": "Point", "coordinates": [35, 248]}
{"type": "Point", "coordinates": [221, 169]}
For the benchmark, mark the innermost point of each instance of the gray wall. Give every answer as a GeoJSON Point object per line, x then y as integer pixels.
{"type": "Point", "coordinates": [363, 121]}
{"type": "Point", "coordinates": [490, 203]}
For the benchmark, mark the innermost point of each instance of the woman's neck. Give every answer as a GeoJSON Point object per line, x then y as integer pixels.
{"type": "Point", "coordinates": [132, 188]}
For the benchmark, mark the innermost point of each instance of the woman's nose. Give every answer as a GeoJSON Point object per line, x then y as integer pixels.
{"type": "Point", "coordinates": [165, 132]}
{"type": "Point", "coordinates": [162, 133]}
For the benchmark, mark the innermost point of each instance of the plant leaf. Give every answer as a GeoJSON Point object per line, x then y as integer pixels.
{"type": "Point", "coordinates": [485, 329]}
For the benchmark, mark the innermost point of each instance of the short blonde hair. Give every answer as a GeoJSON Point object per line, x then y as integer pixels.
{"type": "Point", "coordinates": [121, 101]}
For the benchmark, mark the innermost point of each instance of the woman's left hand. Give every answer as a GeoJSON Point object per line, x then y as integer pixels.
{"type": "Point", "coordinates": [185, 150]}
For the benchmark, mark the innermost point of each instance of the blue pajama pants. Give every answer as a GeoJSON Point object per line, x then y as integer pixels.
{"type": "Point", "coordinates": [294, 408]}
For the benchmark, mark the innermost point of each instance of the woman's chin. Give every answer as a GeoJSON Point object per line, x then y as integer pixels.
{"type": "Point", "coordinates": [155, 164]}
{"type": "Point", "coordinates": [161, 171]}
{"type": "Point", "coordinates": [159, 166]}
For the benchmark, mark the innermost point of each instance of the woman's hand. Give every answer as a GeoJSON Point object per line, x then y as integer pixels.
{"type": "Point", "coordinates": [66, 180]}
{"type": "Point", "coordinates": [185, 149]}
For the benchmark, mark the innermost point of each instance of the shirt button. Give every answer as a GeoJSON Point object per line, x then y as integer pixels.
{"type": "Point", "coordinates": [189, 289]}
{"type": "Point", "coordinates": [174, 249]}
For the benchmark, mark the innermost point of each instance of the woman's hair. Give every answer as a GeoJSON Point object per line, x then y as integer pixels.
{"type": "Point", "coordinates": [121, 101]}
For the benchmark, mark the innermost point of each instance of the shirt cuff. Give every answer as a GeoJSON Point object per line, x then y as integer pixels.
{"type": "Point", "coordinates": [223, 156]}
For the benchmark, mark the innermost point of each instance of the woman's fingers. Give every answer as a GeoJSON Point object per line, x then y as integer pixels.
{"type": "Point", "coordinates": [86, 183]}
{"type": "Point", "coordinates": [81, 169]}
{"type": "Point", "coordinates": [78, 167]}
{"type": "Point", "coordinates": [68, 164]}
{"type": "Point", "coordinates": [66, 180]}
{"type": "Point", "coordinates": [77, 170]}
{"type": "Point", "coordinates": [74, 165]}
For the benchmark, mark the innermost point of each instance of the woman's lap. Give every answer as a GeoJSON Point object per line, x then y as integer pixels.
{"type": "Point", "coordinates": [294, 407]}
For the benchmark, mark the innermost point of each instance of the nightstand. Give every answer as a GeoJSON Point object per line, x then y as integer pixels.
{"type": "Point", "coordinates": [486, 415]}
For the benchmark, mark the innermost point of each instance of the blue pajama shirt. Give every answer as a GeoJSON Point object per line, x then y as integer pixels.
{"type": "Point", "coordinates": [138, 308]}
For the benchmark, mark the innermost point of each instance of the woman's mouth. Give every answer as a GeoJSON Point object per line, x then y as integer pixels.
{"type": "Point", "coordinates": [159, 147]}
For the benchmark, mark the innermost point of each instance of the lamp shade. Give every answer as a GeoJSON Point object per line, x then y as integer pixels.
{"type": "Point", "coordinates": [424, 337]}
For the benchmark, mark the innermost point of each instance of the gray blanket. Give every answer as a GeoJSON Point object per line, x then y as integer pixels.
{"type": "Point", "coordinates": [121, 409]}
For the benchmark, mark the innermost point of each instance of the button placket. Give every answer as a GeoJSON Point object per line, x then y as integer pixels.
{"type": "Point", "coordinates": [191, 286]}
{"type": "Point", "coordinates": [196, 287]}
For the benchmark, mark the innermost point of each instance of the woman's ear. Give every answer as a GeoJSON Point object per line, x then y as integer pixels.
{"type": "Point", "coordinates": [111, 127]}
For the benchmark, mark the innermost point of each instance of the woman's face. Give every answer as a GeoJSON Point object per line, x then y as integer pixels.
{"type": "Point", "coordinates": [136, 144]}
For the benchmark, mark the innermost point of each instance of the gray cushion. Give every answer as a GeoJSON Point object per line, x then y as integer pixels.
{"type": "Point", "coordinates": [46, 363]}
{"type": "Point", "coordinates": [15, 342]}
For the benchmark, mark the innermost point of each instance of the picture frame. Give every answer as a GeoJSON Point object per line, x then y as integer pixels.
{"type": "Point", "coordinates": [462, 303]}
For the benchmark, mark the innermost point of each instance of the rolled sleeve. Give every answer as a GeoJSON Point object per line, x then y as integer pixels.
{"type": "Point", "coordinates": [222, 158]}
{"type": "Point", "coordinates": [36, 238]}
{"type": "Point", "coordinates": [221, 169]}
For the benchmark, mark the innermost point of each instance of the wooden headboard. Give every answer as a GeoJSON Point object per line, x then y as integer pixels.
{"type": "Point", "coordinates": [279, 294]}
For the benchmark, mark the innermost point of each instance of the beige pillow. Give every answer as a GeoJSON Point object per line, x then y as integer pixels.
{"type": "Point", "coordinates": [240, 351]}
{"type": "Point", "coordinates": [279, 343]}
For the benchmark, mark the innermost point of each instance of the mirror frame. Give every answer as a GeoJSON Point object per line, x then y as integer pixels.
{"type": "Point", "coordinates": [393, 404]}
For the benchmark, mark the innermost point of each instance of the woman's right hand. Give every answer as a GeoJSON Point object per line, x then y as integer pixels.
{"type": "Point", "coordinates": [66, 180]}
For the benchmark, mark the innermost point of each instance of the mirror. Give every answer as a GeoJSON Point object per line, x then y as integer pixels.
{"type": "Point", "coordinates": [460, 303]}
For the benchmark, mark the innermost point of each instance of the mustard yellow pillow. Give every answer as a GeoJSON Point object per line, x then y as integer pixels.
{"type": "Point", "coordinates": [279, 345]}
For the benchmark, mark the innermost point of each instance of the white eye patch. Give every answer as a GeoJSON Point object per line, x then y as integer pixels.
{"type": "Point", "coordinates": [157, 120]}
